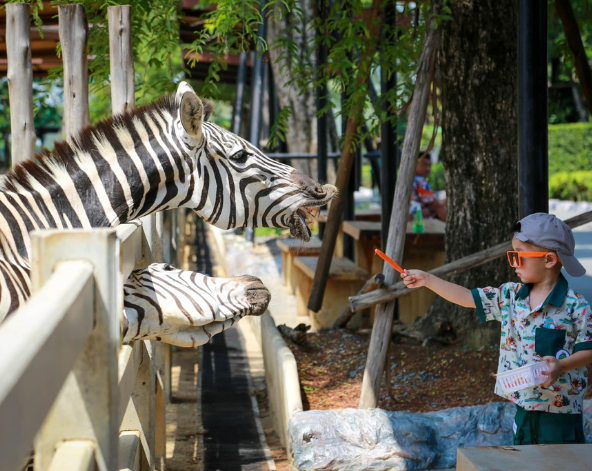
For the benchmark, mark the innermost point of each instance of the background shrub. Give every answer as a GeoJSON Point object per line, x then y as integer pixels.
{"type": "Point", "coordinates": [570, 147]}
{"type": "Point", "coordinates": [574, 186]}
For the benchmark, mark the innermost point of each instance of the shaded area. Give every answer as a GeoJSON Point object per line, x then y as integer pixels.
{"type": "Point", "coordinates": [231, 441]}
{"type": "Point", "coordinates": [231, 438]}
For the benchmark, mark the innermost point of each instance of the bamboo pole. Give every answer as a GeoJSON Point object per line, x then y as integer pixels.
{"type": "Point", "coordinates": [364, 301]}
{"type": "Point", "coordinates": [121, 57]}
{"type": "Point", "coordinates": [345, 164]}
{"type": "Point", "coordinates": [383, 323]}
{"type": "Point", "coordinates": [574, 41]}
{"type": "Point", "coordinates": [73, 37]}
{"type": "Point", "coordinates": [20, 81]}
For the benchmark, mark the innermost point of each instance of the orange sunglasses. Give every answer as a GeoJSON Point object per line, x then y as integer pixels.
{"type": "Point", "coordinates": [515, 258]}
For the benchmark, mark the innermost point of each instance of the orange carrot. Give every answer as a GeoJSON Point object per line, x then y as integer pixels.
{"type": "Point", "coordinates": [389, 260]}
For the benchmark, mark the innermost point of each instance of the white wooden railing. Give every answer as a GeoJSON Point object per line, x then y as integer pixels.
{"type": "Point", "coordinates": [68, 388]}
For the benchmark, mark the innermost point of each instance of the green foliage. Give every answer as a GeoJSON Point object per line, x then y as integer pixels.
{"type": "Point", "coordinates": [436, 178]}
{"type": "Point", "coordinates": [426, 136]}
{"type": "Point", "coordinates": [279, 128]}
{"type": "Point", "coordinates": [570, 147]}
{"type": "Point", "coordinates": [157, 51]}
{"type": "Point", "coordinates": [558, 47]}
{"type": "Point", "coordinates": [232, 26]}
{"type": "Point", "coordinates": [48, 107]}
{"type": "Point", "coordinates": [562, 108]}
{"type": "Point", "coordinates": [574, 186]}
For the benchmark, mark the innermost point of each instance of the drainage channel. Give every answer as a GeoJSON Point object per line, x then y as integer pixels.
{"type": "Point", "coordinates": [233, 438]}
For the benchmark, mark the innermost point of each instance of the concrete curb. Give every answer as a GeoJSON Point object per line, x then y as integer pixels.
{"type": "Point", "coordinates": [281, 372]}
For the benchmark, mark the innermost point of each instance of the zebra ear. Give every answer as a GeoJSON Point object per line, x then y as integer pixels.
{"type": "Point", "coordinates": [192, 112]}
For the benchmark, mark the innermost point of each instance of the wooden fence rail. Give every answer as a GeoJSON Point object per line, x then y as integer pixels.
{"type": "Point", "coordinates": [68, 386]}
{"type": "Point", "coordinates": [70, 391]}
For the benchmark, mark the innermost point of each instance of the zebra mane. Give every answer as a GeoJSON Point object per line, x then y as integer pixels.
{"type": "Point", "coordinates": [63, 153]}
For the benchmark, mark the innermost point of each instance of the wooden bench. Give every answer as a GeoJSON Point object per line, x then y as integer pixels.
{"type": "Point", "coordinates": [360, 215]}
{"type": "Point", "coordinates": [293, 248]}
{"type": "Point", "coordinates": [345, 279]}
{"type": "Point", "coordinates": [422, 251]}
{"type": "Point", "coordinates": [528, 457]}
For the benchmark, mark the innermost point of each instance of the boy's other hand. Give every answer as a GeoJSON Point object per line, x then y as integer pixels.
{"type": "Point", "coordinates": [415, 278]}
{"type": "Point", "coordinates": [554, 370]}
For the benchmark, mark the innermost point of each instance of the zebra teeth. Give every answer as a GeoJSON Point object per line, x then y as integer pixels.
{"type": "Point", "coordinates": [313, 211]}
{"type": "Point", "coordinates": [306, 214]}
{"type": "Point", "coordinates": [298, 225]}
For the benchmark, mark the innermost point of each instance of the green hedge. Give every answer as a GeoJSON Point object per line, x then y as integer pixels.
{"type": "Point", "coordinates": [570, 147]}
{"type": "Point", "coordinates": [574, 186]}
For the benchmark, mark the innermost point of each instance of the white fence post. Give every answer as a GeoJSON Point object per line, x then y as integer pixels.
{"type": "Point", "coordinates": [139, 414]}
{"type": "Point", "coordinates": [88, 404]}
{"type": "Point", "coordinates": [73, 37]}
{"type": "Point", "coordinates": [20, 82]}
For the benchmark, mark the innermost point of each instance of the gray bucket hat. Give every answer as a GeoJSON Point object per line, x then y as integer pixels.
{"type": "Point", "coordinates": [550, 232]}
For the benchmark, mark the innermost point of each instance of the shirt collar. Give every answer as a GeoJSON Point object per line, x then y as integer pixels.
{"type": "Point", "coordinates": [556, 296]}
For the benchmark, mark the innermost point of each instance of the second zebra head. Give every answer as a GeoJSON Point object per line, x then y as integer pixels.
{"type": "Point", "coordinates": [236, 184]}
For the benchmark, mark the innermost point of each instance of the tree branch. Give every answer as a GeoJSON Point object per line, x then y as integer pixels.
{"type": "Point", "coordinates": [574, 41]}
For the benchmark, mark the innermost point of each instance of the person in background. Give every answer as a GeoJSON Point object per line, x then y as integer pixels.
{"type": "Point", "coordinates": [423, 194]}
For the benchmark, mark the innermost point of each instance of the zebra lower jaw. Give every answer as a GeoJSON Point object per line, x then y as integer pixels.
{"type": "Point", "coordinates": [300, 221]}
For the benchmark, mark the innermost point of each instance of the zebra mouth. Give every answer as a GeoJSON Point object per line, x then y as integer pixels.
{"type": "Point", "coordinates": [301, 219]}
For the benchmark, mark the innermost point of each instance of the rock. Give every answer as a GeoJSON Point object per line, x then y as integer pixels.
{"type": "Point", "coordinates": [374, 439]}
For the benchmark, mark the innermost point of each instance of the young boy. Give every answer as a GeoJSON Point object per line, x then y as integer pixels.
{"type": "Point", "coordinates": [542, 320]}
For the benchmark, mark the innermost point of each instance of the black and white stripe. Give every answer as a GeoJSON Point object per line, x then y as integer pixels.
{"type": "Point", "coordinates": [157, 306]}
{"type": "Point", "coordinates": [161, 156]}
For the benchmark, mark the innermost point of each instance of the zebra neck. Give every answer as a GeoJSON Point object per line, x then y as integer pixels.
{"type": "Point", "coordinates": [107, 181]}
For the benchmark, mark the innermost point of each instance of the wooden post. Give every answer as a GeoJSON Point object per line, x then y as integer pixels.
{"type": "Point", "coordinates": [20, 81]}
{"type": "Point", "coordinates": [73, 37]}
{"type": "Point", "coordinates": [383, 323]}
{"type": "Point", "coordinates": [87, 408]}
{"type": "Point", "coordinates": [150, 400]}
{"type": "Point", "coordinates": [348, 154]}
{"type": "Point", "coordinates": [121, 57]}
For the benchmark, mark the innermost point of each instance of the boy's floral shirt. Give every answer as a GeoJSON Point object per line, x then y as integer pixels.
{"type": "Point", "coordinates": [560, 326]}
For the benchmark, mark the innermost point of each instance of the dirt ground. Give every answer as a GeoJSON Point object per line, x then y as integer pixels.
{"type": "Point", "coordinates": [331, 366]}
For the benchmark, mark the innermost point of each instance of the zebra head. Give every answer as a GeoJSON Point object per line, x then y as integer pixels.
{"type": "Point", "coordinates": [236, 184]}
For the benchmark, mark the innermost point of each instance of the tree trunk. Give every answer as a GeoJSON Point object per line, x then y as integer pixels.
{"type": "Point", "coordinates": [302, 133]}
{"type": "Point", "coordinates": [478, 78]}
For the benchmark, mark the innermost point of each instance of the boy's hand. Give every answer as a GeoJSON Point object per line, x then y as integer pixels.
{"type": "Point", "coordinates": [415, 278]}
{"type": "Point", "coordinates": [554, 370]}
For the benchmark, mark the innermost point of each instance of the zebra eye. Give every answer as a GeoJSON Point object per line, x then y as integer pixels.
{"type": "Point", "coordinates": [239, 156]}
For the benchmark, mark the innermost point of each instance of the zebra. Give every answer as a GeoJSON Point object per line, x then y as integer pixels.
{"type": "Point", "coordinates": [156, 157]}
{"type": "Point", "coordinates": [156, 295]}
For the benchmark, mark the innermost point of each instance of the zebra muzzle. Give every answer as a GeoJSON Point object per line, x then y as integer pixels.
{"type": "Point", "coordinates": [258, 296]}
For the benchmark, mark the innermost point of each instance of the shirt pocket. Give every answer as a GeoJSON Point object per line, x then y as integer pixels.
{"type": "Point", "coordinates": [547, 342]}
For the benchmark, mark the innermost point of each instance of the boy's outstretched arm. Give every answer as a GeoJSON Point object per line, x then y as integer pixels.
{"type": "Point", "coordinates": [454, 293]}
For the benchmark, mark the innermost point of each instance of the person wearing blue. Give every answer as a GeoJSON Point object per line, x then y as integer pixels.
{"type": "Point", "coordinates": [422, 195]}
